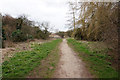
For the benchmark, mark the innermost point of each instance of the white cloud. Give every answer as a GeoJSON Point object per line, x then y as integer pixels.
{"type": "Point", "coordinates": [53, 11]}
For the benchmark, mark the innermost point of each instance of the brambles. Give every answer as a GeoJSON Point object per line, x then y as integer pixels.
{"type": "Point", "coordinates": [3, 38]}
{"type": "Point", "coordinates": [20, 29]}
{"type": "Point", "coordinates": [30, 37]}
{"type": "Point", "coordinates": [18, 36]}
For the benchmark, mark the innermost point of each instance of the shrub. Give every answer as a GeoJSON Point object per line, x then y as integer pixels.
{"type": "Point", "coordinates": [3, 35]}
{"type": "Point", "coordinates": [61, 34]}
{"type": "Point", "coordinates": [78, 34]}
{"type": "Point", "coordinates": [41, 34]}
{"type": "Point", "coordinates": [18, 36]}
{"type": "Point", "coordinates": [30, 37]}
{"type": "Point", "coordinates": [3, 38]}
{"type": "Point", "coordinates": [69, 33]}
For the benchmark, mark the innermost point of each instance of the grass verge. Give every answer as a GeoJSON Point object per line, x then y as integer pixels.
{"type": "Point", "coordinates": [48, 66]}
{"type": "Point", "coordinates": [96, 60]}
{"type": "Point", "coordinates": [24, 62]}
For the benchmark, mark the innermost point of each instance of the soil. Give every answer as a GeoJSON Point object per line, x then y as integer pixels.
{"type": "Point", "coordinates": [70, 66]}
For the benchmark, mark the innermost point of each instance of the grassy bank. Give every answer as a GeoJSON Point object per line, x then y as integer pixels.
{"type": "Point", "coordinates": [48, 66]}
{"type": "Point", "coordinates": [24, 62]}
{"type": "Point", "coordinates": [96, 59]}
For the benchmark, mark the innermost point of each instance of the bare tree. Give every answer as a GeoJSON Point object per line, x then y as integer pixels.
{"type": "Point", "coordinates": [72, 12]}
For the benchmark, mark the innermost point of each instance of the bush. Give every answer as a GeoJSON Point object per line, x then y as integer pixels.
{"type": "Point", "coordinates": [30, 37]}
{"type": "Point", "coordinates": [78, 34]}
{"type": "Point", "coordinates": [69, 33]}
{"type": "Point", "coordinates": [3, 35]}
{"type": "Point", "coordinates": [1, 43]}
{"type": "Point", "coordinates": [61, 34]}
{"type": "Point", "coordinates": [41, 34]}
{"type": "Point", "coordinates": [18, 36]}
{"type": "Point", "coordinates": [3, 38]}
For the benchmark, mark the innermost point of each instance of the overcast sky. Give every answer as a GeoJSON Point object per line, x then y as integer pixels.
{"type": "Point", "coordinates": [53, 11]}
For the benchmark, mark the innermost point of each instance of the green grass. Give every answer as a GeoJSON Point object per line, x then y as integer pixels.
{"type": "Point", "coordinates": [24, 62]}
{"type": "Point", "coordinates": [96, 61]}
{"type": "Point", "coordinates": [48, 65]}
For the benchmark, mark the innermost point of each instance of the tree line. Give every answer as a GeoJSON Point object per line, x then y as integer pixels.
{"type": "Point", "coordinates": [21, 29]}
{"type": "Point", "coordinates": [94, 21]}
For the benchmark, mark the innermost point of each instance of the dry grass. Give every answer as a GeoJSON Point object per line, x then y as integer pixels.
{"type": "Point", "coordinates": [12, 48]}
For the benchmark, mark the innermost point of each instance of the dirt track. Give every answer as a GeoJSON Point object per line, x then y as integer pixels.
{"type": "Point", "coordinates": [70, 66]}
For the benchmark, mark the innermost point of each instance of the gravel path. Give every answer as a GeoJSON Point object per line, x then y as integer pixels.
{"type": "Point", "coordinates": [70, 66]}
